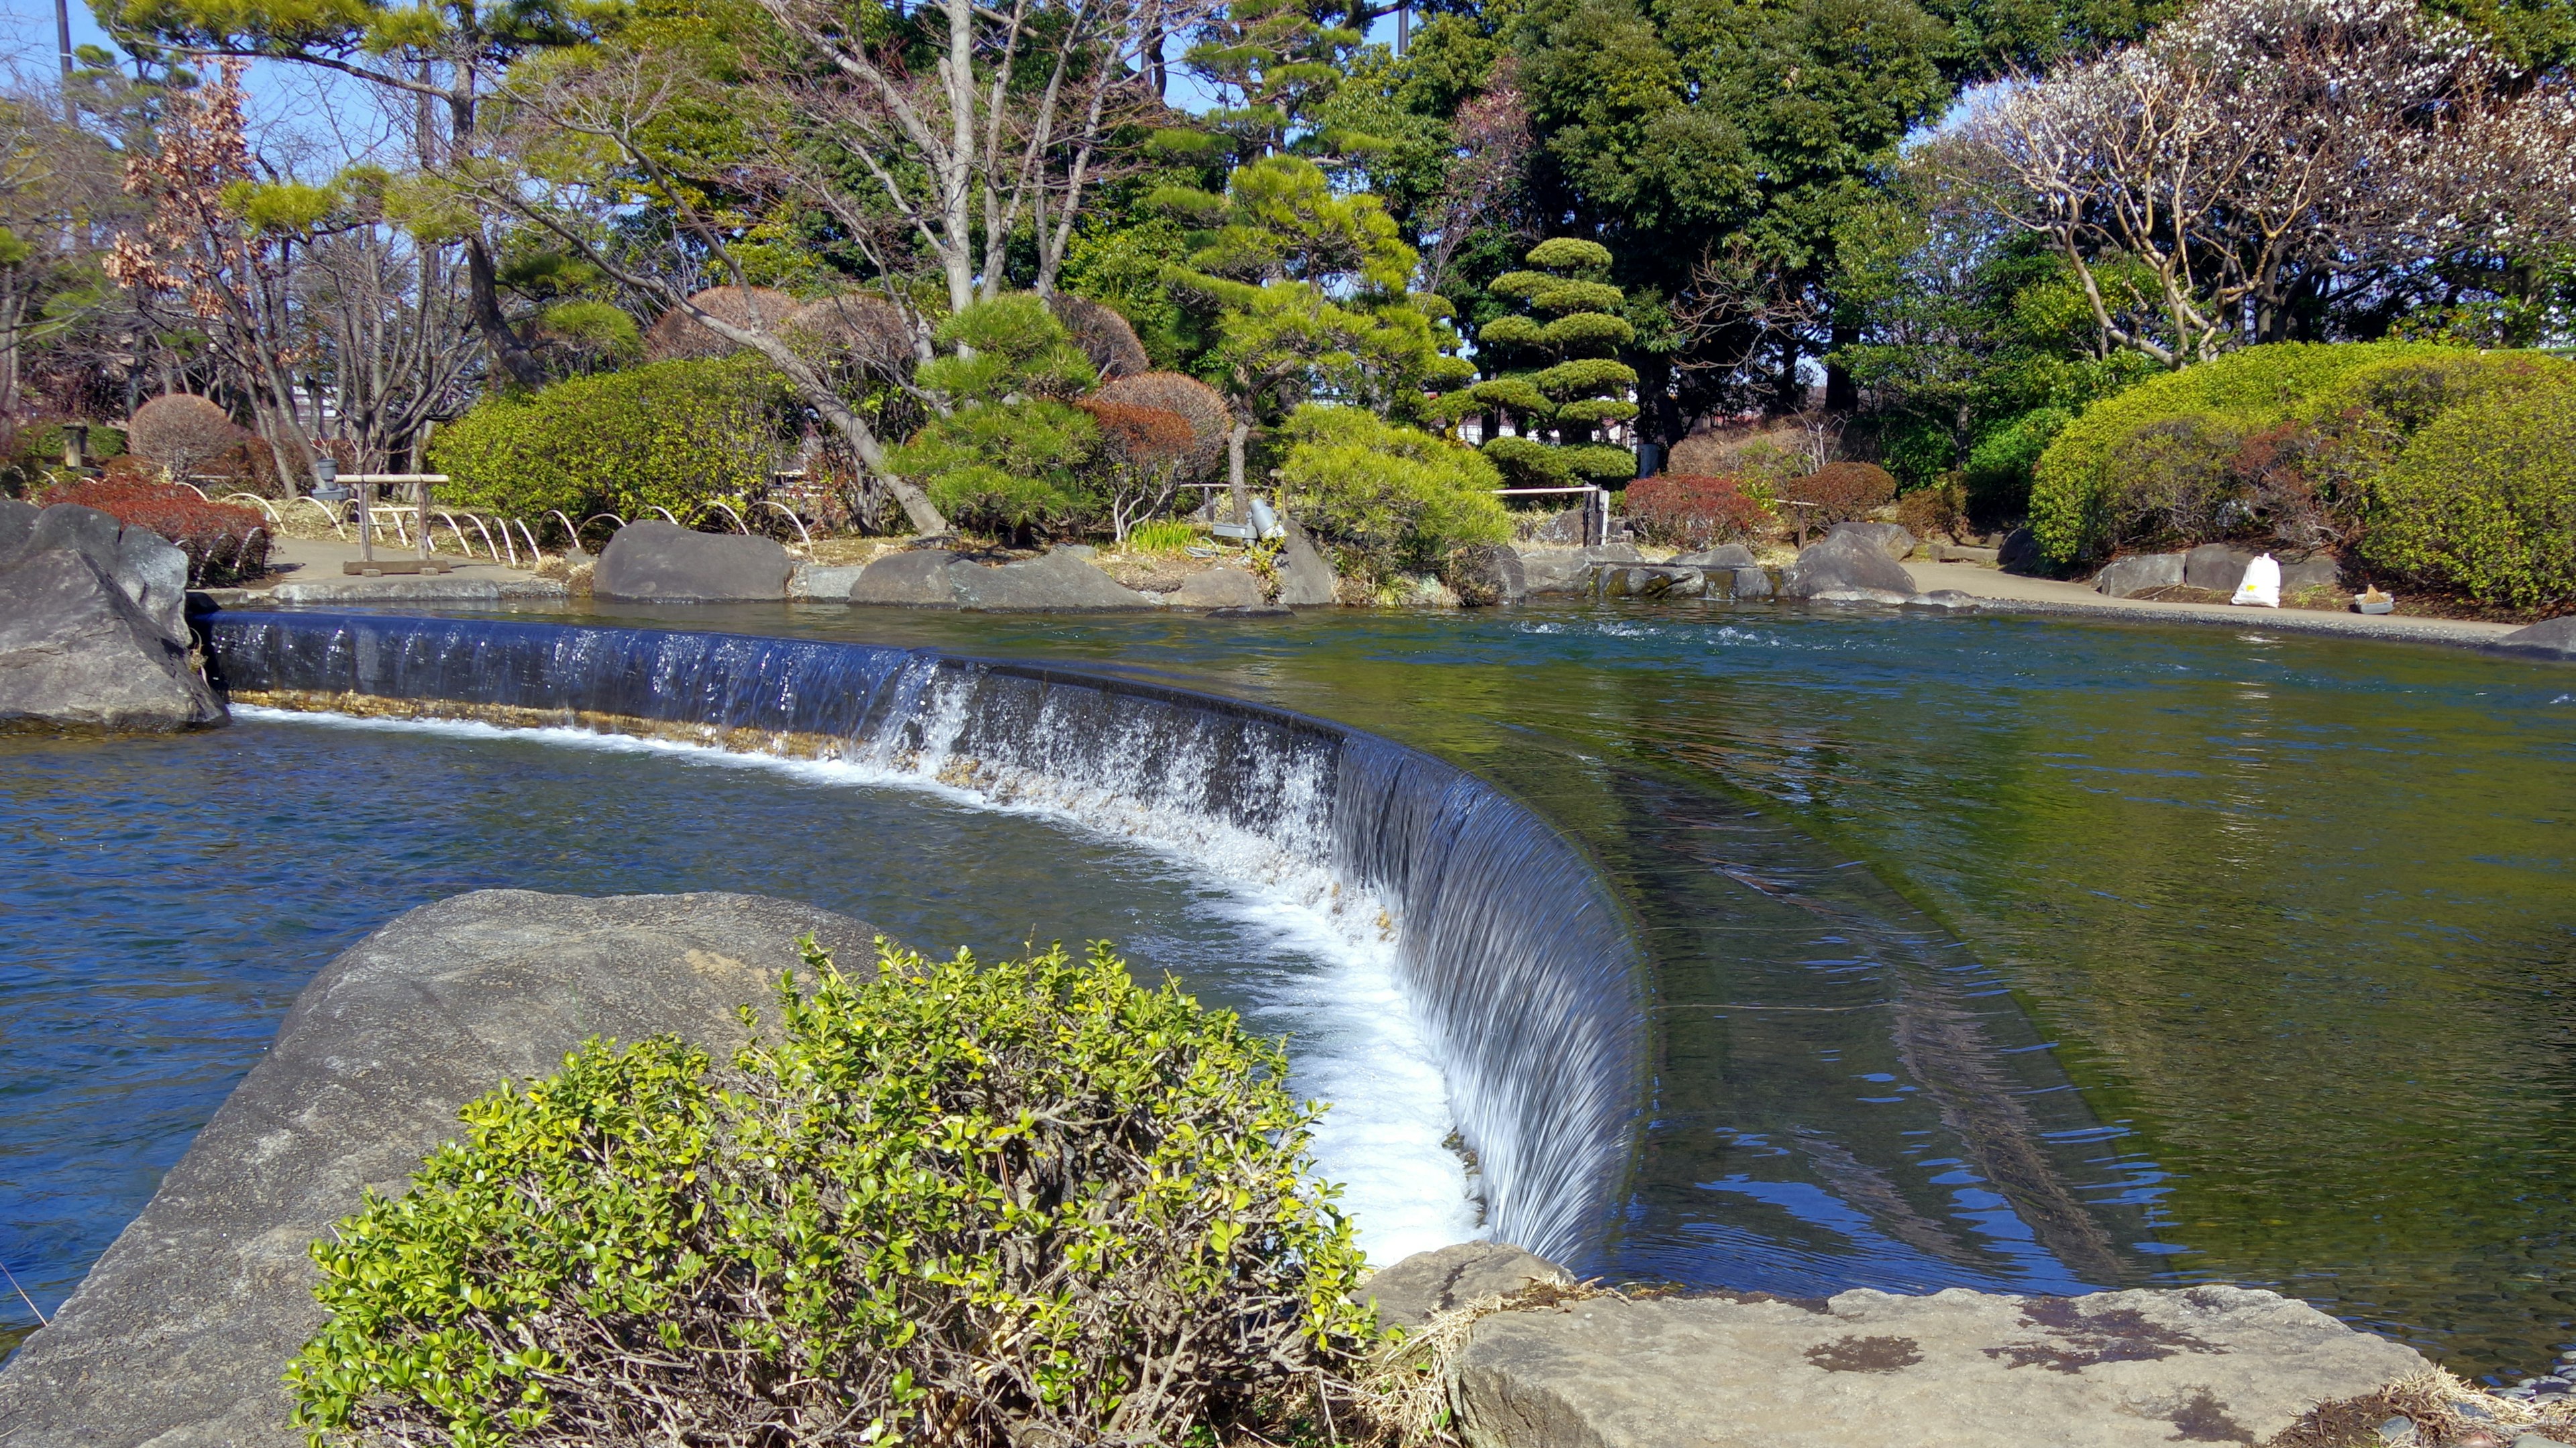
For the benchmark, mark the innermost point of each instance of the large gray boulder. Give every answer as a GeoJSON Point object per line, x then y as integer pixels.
{"type": "Point", "coordinates": [1891, 539]}
{"type": "Point", "coordinates": [1488, 573]}
{"type": "Point", "coordinates": [2549, 636]}
{"type": "Point", "coordinates": [176, 1338]}
{"type": "Point", "coordinates": [1218, 588]}
{"type": "Point", "coordinates": [1063, 580]}
{"type": "Point", "coordinates": [658, 563]}
{"type": "Point", "coordinates": [1410, 1292]}
{"type": "Point", "coordinates": [918, 578]}
{"type": "Point", "coordinates": [1846, 568]}
{"type": "Point", "coordinates": [2215, 566]}
{"type": "Point", "coordinates": [147, 568]}
{"type": "Point", "coordinates": [1957, 1369]}
{"type": "Point", "coordinates": [2139, 573]}
{"type": "Point", "coordinates": [1054, 581]}
{"type": "Point", "coordinates": [1569, 570]}
{"type": "Point", "coordinates": [2317, 570]}
{"type": "Point", "coordinates": [76, 652]}
{"type": "Point", "coordinates": [17, 520]}
{"type": "Point", "coordinates": [1649, 580]}
{"type": "Point", "coordinates": [1726, 555]}
{"type": "Point", "coordinates": [1305, 579]}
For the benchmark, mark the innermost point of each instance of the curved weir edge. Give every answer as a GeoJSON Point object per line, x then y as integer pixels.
{"type": "Point", "coordinates": [1519, 961]}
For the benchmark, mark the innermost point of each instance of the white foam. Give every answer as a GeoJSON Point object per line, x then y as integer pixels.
{"type": "Point", "coordinates": [1333, 988]}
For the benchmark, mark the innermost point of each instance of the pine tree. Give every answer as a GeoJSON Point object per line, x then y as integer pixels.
{"type": "Point", "coordinates": [1557, 369]}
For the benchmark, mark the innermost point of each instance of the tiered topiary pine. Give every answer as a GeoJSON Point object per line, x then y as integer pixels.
{"type": "Point", "coordinates": [1558, 370]}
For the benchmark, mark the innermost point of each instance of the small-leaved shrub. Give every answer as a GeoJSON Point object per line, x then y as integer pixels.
{"type": "Point", "coordinates": [675, 435]}
{"type": "Point", "coordinates": [1840, 492]}
{"type": "Point", "coordinates": [1681, 510]}
{"type": "Point", "coordinates": [225, 542]}
{"type": "Point", "coordinates": [2079, 506]}
{"type": "Point", "coordinates": [1027, 1203]}
{"type": "Point", "coordinates": [1390, 499]}
{"type": "Point", "coordinates": [2483, 499]}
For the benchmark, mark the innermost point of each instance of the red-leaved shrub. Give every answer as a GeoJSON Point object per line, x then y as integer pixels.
{"type": "Point", "coordinates": [1840, 492]}
{"type": "Point", "coordinates": [1683, 510]}
{"type": "Point", "coordinates": [225, 543]}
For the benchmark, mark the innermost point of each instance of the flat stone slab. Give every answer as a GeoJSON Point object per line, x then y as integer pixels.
{"type": "Point", "coordinates": [2549, 636]}
{"type": "Point", "coordinates": [177, 1337]}
{"type": "Point", "coordinates": [1957, 1369]}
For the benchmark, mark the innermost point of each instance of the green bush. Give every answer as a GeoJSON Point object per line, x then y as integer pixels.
{"type": "Point", "coordinates": [1393, 499]}
{"type": "Point", "coordinates": [1997, 477]}
{"type": "Point", "coordinates": [2483, 499]}
{"type": "Point", "coordinates": [1006, 466]}
{"type": "Point", "coordinates": [1021, 1203]}
{"type": "Point", "coordinates": [2077, 486]}
{"type": "Point", "coordinates": [676, 435]}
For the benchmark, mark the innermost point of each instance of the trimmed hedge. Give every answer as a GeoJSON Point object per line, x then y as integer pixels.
{"type": "Point", "coordinates": [676, 435]}
{"type": "Point", "coordinates": [2078, 503]}
{"type": "Point", "coordinates": [1029, 1202]}
{"type": "Point", "coordinates": [2483, 499]}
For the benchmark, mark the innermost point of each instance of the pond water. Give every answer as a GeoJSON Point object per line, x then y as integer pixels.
{"type": "Point", "coordinates": [163, 900]}
{"type": "Point", "coordinates": [1996, 951]}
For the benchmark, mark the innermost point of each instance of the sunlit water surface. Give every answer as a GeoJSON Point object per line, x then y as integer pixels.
{"type": "Point", "coordinates": [1994, 951]}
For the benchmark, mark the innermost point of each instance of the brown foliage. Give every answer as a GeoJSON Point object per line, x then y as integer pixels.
{"type": "Point", "coordinates": [1840, 492]}
{"type": "Point", "coordinates": [1934, 512]}
{"type": "Point", "coordinates": [1198, 404]}
{"type": "Point", "coordinates": [1683, 510]}
{"type": "Point", "coordinates": [1103, 335]}
{"type": "Point", "coordinates": [857, 329]}
{"type": "Point", "coordinates": [183, 432]}
{"type": "Point", "coordinates": [1142, 436]}
{"type": "Point", "coordinates": [677, 334]}
{"type": "Point", "coordinates": [224, 543]}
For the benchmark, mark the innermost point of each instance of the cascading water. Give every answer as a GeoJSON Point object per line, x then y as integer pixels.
{"type": "Point", "coordinates": [1520, 966]}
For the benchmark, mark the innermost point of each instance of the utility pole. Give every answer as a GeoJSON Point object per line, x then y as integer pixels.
{"type": "Point", "coordinates": [63, 35]}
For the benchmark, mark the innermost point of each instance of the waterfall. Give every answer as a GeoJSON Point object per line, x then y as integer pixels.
{"type": "Point", "coordinates": [1520, 964]}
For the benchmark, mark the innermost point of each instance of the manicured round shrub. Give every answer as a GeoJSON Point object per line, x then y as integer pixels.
{"type": "Point", "coordinates": [677, 336]}
{"type": "Point", "coordinates": [1391, 499]}
{"type": "Point", "coordinates": [1003, 467]}
{"type": "Point", "coordinates": [676, 435]}
{"type": "Point", "coordinates": [225, 542]}
{"type": "Point", "coordinates": [2483, 499]}
{"type": "Point", "coordinates": [1103, 335]}
{"type": "Point", "coordinates": [1026, 1203]}
{"type": "Point", "coordinates": [1203, 406]}
{"type": "Point", "coordinates": [183, 432]}
{"type": "Point", "coordinates": [1682, 510]}
{"type": "Point", "coordinates": [2076, 485]}
{"type": "Point", "coordinates": [1840, 492]}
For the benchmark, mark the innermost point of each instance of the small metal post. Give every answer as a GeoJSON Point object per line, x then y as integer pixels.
{"type": "Point", "coordinates": [366, 523]}
{"type": "Point", "coordinates": [420, 509]}
{"type": "Point", "coordinates": [76, 444]}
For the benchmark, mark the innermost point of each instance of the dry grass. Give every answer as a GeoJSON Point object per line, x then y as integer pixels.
{"type": "Point", "coordinates": [2432, 1400]}
{"type": "Point", "coordinates": [1405, 1391]}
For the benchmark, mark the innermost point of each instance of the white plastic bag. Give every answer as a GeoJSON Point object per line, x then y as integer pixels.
{"type": "Point", "coordinates": [2262, 585]}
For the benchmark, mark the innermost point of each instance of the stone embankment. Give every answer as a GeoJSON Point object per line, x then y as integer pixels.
{"type": "Point", "coordinates": [176, 1338]}
{"type": "Point", "coordinates": [93, 625]}
{"type": "Point", "coordinates": [1536, 1361]}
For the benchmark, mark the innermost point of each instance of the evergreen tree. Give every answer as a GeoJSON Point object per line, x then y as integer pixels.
{"type": "Point", "coordinates": [1558, 372]}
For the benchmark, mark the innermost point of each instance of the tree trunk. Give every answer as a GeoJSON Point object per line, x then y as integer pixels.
{"type": "Point", "coordinates": [509, 349]}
